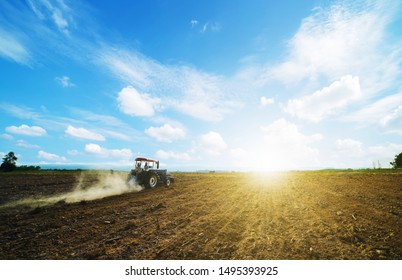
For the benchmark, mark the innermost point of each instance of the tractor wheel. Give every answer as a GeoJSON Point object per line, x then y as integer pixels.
{"type": "Point", "coordinates": [152, 181]}
{"type": "Point", "coordinates": [168, 182]}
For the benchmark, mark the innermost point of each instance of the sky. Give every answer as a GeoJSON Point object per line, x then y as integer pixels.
{"type": "Point", "coordinates": [250, 85]}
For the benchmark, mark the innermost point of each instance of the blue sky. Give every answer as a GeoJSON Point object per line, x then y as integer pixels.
{"type": "Point", "coordinates": [233, 85]}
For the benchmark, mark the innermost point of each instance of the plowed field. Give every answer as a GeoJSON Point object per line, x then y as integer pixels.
{"type": "Point", "coordinates": [295, 215]}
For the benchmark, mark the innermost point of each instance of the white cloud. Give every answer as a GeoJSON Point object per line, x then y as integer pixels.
{"type": "Point", "coordinates": [11, 48]}
{"type": "Point", "coordinates": [57, 11]}
{"type": "Point", "coordinates": [346, 38]}
{"type": "Point", "coordinates": [108, 126]}
{"type": "Point", "coordinates": [166, 133]}
{"type": "Point", "coordinates": [65, 81]}
{"type": "Point", "coordinates": [349, 147]}
{"type": "Point", "coordinates": [117, 135]}
{"type": "Point", "coordinates": [165, 155]}
{"type": "Point", "coordinates": [94, 149]}
{"type": "Point", "coordinates": [285, 132]}
{"type": "Point", "coordinates": [83, 133]}
{"type": "Point", "coordinates": [60, 21]}
{"type": "Point", "coordinates": [395, 116]}
{"type": "Point", "coordinates": [194, 22]}
{"type": "Point", "coordinates": [238, 153]}
{"type": "Point", "coordinates": [327, 101]}
{"type": "Point", "coordinates": [388, 150]}
{"type": "Point", "coordinates": [265, 101]}
{"type": "Point", "coordinates": [122, 154]}
{"type": "Point", "coordinates": [204, 28]}
{"type": "Point", "coordinates": [286, 147]}
{"type": "Point", "coordinates": [36, 10]}
{"type": "Point", "coordinates": [385, 112]}
{"type": "Point", "coordinates": [350, 153]}
{"type": "Point", "coordinates": [211, 26]}
{"type": "Point", "coordinates": [203, 96]}
{"type": "Point", "coordinates": [51, 157]}
{"type": "Point", "coordinates": [93, 117]}
{"type": "Point", "coordinates": [24, 144]}
{"type": "Point", "coordinates": [27, 130]}
{"type": "Point", "coordinates": [211, 143]}
{"type": "Point", "coordinates": [21, 112]}
{"type": "Point", "coordinates": [73, 152]}
{"type": "Point", "coordinates": [6, 136]}
{"type": "Point", "coordinates": [195, 93]}
{"type": "Point", "coordinates": [133, 103]}
{"type": "Point", "coordinates": [131, 67]}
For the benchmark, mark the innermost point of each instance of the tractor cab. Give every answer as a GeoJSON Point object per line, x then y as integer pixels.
{"type": "Point", "coordinates": [145, 164]}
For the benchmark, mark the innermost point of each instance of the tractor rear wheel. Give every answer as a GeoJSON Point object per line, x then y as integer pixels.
{"type": "Point", "coordinates": [152, 181]}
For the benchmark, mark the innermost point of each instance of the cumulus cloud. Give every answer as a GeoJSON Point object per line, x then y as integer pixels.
{"type": "Point", "coordinates": [327, 101]}
{"type": "Point", "coordinates": [122, 154]}
{"type": "Point", "coordinates": [211, 143]}
{"type": "Point", "coordinates": [286, 147]}
{"type": "Point", "coordinates": [26, 130]}
{"type": "Point", "coordinates": [133, 103]}
{"type": "Point", "coordinates": [165, 155]}
{"type": "Point", "coordinates": [94, 149]}
{"type": "Point", "coordinates": [166, 133]}
{"type": "Point", "coordinates": [287, 133]}
{"type": "Point", "coordinates": [265, 101]}
{"type": "Point", "coordinates": [65, 81]}
{"type": "Point", "coordinates": [50, 157]}
{"type": "Point", "coordinates": [83, 133]}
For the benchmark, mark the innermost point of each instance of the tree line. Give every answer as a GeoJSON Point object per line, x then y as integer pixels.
{"type": "Point", "coordinates": [10, 163]}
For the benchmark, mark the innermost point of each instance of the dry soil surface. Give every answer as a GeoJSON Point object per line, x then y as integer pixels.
{"type": "Point", "coordinates": [295, 215]}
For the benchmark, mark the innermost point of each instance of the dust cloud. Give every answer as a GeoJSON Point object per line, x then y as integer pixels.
{"type": "Point", "coordinates": [89, 186]}
{"type": "Point", "coordinates": [106, 185]}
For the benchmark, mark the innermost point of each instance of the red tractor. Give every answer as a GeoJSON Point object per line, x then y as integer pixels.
{"type": "Point", "coordinates": [146, 173]}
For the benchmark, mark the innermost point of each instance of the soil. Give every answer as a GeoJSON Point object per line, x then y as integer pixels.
{"type": "Point", "coordinates": [294, 215]}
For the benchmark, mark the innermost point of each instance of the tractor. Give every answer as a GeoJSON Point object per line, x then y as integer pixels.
{"type": "Point", "coordinates": [146, 173]}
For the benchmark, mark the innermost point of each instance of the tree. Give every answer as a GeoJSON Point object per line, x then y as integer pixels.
{"type": "Point", "coordinates": [28, 168]}
{"type": "Point", "coordinates": [397, 163]}
{"type": "Point", "coordinates": [9, 162]}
